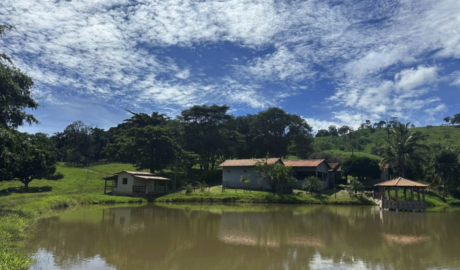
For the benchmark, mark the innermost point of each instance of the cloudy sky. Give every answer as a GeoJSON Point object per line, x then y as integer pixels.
{"type": "Point", "coordinates": [332, 62]}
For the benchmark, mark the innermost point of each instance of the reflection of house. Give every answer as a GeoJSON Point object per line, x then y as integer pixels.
{"type": "Point", "coordinates": [135, 183]}
{"type": "Point", "coordinates": [233, 170]}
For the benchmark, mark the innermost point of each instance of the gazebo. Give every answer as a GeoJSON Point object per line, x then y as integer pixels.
{"type": "Point", "coordinates": [396, 184]}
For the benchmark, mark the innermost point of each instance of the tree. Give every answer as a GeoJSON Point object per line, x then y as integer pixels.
{"type": "Point", "coordinates": [205, 132]}
{"type": "Point", "coordinates": [312, 184]}
{"type": "Point", "coordinates": [22, 156]}
{"type": "Point", "coordinates": [37, 159]}
{"type": "Point", "coordinates": [447, 119]}
{"type": "Point", "coordinates": [150, 147]}
{"type": "Point", "coordinates": [361, 167]}
{"type": "Point", "coordinates": [276, 130]}
{"type": "Point", "coordinates": [355, 186]}
{"type": "Point", "coordinates": [402, 150]}
{"type": "Point", "coordinates": [15, 93]}
{"type": "Point", "coordinates": [343, 130]}
{"type": "Point", "coordinates": [322, 133]}
{"type": "Point", "coordinates": [455, 119]}
{"type": "Point", "coordinates": [446, 167]}
{"type": "Point", "coordinates": [333, 131]}
{"type": "Point", "coordinates": [380, 124]}
{"type": "Point", "coordinates": [280, 177]}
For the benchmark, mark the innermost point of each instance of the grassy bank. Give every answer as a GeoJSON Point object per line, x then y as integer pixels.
{"type": "Point", "coordinates": [19, 213]}
{"type": "Point", "coordinates": [215, 195]}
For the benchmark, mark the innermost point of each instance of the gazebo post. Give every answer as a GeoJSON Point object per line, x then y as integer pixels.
{"type": "Point", "coordinates": [396, 199]}
{"type": "Point", "coordinates": [412, 198]}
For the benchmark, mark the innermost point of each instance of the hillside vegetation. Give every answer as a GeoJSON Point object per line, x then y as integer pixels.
{"type": "Point", "coordinates": [367, 141]}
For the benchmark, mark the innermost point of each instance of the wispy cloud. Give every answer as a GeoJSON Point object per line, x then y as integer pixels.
{"type": "Point", "coordinates": [379, 58]}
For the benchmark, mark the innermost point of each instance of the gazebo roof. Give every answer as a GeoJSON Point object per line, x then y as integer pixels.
{"type": "Point", "coordinates": [400, 182]}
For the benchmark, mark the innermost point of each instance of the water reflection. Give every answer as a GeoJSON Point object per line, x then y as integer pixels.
{"type": "Point", "coordinates": [248, 237]}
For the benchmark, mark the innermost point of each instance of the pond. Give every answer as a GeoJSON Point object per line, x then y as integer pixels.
{"type": "Point", "coordinates": [256, 236]}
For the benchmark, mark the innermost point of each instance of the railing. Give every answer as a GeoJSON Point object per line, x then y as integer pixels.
{"type": "Point", "coordinates": [149, 189]}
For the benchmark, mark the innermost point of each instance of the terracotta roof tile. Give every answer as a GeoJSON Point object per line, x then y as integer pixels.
{"type": "Point", "coordinates": [400, 182]}
{"type": "Point", "coordinates": [304, 163]}
{"type": "Point", "coordinates": [247, 162]}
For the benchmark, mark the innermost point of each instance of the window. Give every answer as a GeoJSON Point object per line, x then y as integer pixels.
{"type": "Point", "coordinates": [125, 181]}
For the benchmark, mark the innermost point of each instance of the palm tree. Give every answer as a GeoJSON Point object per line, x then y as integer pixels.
{"type": "Point", "coordinates": [402, 150]}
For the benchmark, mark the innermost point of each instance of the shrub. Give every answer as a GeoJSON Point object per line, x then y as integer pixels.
{"type": "Point", "coordinates": [56, 176]}
{"type": "Point", "coordinates": [188, 189]}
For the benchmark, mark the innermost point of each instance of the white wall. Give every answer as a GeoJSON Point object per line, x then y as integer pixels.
{"type": "Point", "coordinates": [124, 189]}
{"type": "Point", "coordinates": [232, 175]}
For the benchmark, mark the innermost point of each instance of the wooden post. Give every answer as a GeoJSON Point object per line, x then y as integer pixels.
{"type": "Point", "coordinates": [412, 194]}
{"type": "Point", "coordinates": [389, 194]}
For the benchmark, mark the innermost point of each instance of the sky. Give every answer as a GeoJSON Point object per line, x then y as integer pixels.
{"type": "Point", "coordinates": [332, 62]}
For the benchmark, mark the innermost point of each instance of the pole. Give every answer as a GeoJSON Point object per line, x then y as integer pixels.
{"type": "Point", "coordinates": [175, 171]}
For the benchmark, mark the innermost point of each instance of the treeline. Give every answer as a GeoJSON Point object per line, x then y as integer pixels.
{"type": "Point", "coordinates": [204, 135]}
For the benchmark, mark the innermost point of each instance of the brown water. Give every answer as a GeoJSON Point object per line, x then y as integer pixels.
{"type": "Point", "coordinates": [247, 237]}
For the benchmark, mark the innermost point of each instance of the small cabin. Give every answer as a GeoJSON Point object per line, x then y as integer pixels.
{"type": "Point", "coordinates": [131, 183]}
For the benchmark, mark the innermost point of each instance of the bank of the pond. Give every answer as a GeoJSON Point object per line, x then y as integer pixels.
{"type": "Point", "coordinates": [19, 214]}
{"type": "Point", "coordinates": [262, 197]}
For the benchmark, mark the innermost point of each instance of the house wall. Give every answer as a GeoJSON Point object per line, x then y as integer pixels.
{"type": "Point", "coordinates": [231, 177]}
{"type": "Point", "coordinates": [124, 189]}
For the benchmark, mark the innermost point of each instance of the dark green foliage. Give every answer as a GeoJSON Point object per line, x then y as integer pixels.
{"type": "Point", "coordinates": [361, 167]}
{"type": "Point", "coordinates": [402, 150]}
{"type": "Point", "coordinates": [355, 186]}
{"type": "Point", "coordinates": [56, 176]}
{"type": "Point", "coordinates": [206, 133]}
{"type": "Point", "coordinates": [279, 133]}
{"type": "Point", "coordinates": [312, 184]}
{"type": "Point", "coordinates": [280, 177]}
{"type": "Point", "coordinates": [322, 133]}
{"type": "Point", "coordinates": [37, 159]}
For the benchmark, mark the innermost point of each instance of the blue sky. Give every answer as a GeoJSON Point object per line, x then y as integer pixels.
{"type": "Point", "coordinates": [331, 62]}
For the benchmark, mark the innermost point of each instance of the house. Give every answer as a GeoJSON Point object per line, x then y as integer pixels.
{"type": "Point", "coordinates": [233, 170]}
{"type": "Point", "coordinates": [335, 174]}
{"type": "Point", "coordinates": [310, 167]}
{"type": "Point", "coordinates": [133, 183]}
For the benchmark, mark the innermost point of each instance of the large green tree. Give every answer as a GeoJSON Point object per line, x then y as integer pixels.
{"type": "Point", "coordinates": [22, 156]}
{"type": "Point", "coordinates": [37, 159]}
{"type": "Point", "coordinates": [147, 142]}
{"type": "Point", "coordinates": [206, 133]}
{"type": "Point", "coordinates": [361, 167]}
{"type": "Point", "coordinates": [279, 134]}
{"type": "Point", "coordinates": [402, 150]}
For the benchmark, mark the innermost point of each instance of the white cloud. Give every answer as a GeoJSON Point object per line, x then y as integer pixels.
{"type": "Point", "coordinates": [318, 124]}
{"type": "Point", "coordinates": [375, 55]}
{"type": "Point", "coordinates": [410, 79]}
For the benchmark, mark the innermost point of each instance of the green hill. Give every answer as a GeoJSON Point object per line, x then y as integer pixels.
{"type": "Point", "coordinates": [367, 142]}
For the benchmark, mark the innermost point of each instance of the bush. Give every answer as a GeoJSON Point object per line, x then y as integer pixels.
{"type": "Point", "coordinates": [56, 176]}
{"type": "Point", "coordinates": [188, 189]}
{"type": "Point", "coordinates": [201, 185]}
